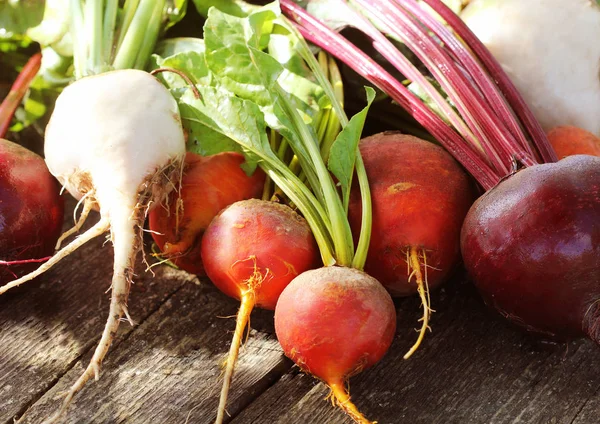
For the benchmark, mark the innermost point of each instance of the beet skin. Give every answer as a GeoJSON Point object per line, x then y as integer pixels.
{"type": "Point", "coordinates": [256, 242]}
{"type": "Point", "coordinates": [532, 247]}
{"type": "Point", "coordinates": [31, 209]}
{"type": "Point", "coordinates": [209, 184]}
{"type": "Point", "coordinates": [420, 198]}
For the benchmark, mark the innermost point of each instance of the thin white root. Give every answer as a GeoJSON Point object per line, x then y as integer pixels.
{"type": "Point", "coordinates": [246, 306]}
{"type": "Point", "coordinates": [88, 205]}
{"type": "Point", "coordinates": [98, 229]}
{"type": "Point", "coordinates": [126, 247]}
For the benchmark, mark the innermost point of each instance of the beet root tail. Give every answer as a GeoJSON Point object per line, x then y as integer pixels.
{"type": "Point", "coordinates": [414, 266]}
{"type": "Point", "coordinates": [126, 241]}
{"type": "Point", "coordinates": [98, 229]}
{"type": "Point", "coordinates": [341, 398]}
{"type": "Point", "coordinates": [243, 315]}
{"type": "Point", "coordinates": [88, 204]}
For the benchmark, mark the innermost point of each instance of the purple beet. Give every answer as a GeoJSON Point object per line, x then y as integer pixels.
{"type": "Point", "coordinates": [31, 209]}
{"type": "Point", "coordinates": [532, 246]}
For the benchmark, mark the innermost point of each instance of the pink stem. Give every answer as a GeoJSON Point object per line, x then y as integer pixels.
{"type": "Point", "coordinates": [24, 261]}
{"type": "Point", "coordinates": [319, 34]}
{"type": "Point", "coordinates": [511, 93]}
{"type": "Point", "coordinates": [17, 92]}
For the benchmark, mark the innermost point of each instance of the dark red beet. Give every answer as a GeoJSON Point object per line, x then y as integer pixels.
{"type": "Point", "coordinates": [31, 209]}
{"type": "Point", "coordinates": [532, 246]}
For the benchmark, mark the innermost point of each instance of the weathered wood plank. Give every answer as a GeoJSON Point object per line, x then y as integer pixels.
{"type": "Point", "coordinates": [472, 369]}
{"type": "Point", "coordinates": [47, 324]}
{"type": "Point", "coordinates": [168, 370]}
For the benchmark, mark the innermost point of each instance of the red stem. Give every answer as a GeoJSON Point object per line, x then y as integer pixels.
{"type": "Point", "coordinates": [465, 58]}
{"type": "Point", "coordinates": [17, 92]}
{"type": "Point", "coordinates": [24, 261]}
{"type": "Point", "coordinates": [511, 93]}
{"type": "Point", "coordinates": [319, 34]}
{"type": "Point", "coordinates": [496, 139]}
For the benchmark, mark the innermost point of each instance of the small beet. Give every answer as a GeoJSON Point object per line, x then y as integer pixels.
{"type": "Point", "coordinates": [209, 184]}
{"type": "Point", "coordinates": [335, 322]}
{"type": "Point", "coordinates": [532, 247]}
{"type": "Point", "coordinates": [31, 209]}
{"type": "Point", "coordinates": [251, 251]}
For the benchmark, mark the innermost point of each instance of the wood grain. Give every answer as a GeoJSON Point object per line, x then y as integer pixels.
{"type": "Point", "coordinates": [46, 325]}
{"type": "Point", "coordinates": [168, 371]}
{"type": "Point", "coordinates": [472, 369]}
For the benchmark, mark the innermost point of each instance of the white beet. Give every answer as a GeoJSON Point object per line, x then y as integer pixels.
{"type": "Point", "coordinates": [551, 51]}
{"type": "Point", "coordinates": [115, 141]}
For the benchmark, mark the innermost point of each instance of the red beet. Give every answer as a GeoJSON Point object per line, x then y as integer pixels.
{"type": "Point", "coordinates": [251, 251]}
{"type": "Point", "coordinates": [335, 322]}
{"type": "Point", "coordinates": [420, 196]}
{"type": "Point", "coordinates": [31, 209]}
{"type": "Point", "coordinates": [532, 246]}
{"type": "Point", "coordinates": [209, 184]}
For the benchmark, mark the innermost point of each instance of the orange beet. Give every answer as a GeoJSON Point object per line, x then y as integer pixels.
{"type": "Point", "coordinates": [569, 140]}
{"type": "Point", "coordinates": [208, 185]}
{"type": "Point", "coordinates": [251, 251]}
{"type": "Point", "coordinates": [420, 198]}
{"type": "Point", "coordinates": [335, 322]}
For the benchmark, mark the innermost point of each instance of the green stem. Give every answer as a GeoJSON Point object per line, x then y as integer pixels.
{"type": "Point", "coordinates": [362, 248]}
{"type": "Point", "coordinates": [335, 96]}
{"type": "Point", "coordinates": [151, 35]}
{"type": "Point", "coordinates": [127, 55]}
{"type": "Point", "coordinates": [93, 25]}
{"type": "Point", "coordinates": [128, 13]}
{"type": "Point", "coordinates": [78, 37]}
{"type": "Point", "coordinates": [341, 234]}
{"type": "Point", "coordinates": [108, 33]}
{"type": "Point", "coordinates": [332, 130]}
{"type": "Point", "coordinates": [316, 224]}
{"type": "Point", "coordinates": [268, 189]}
{"type": "Point", "coordinates": [282, 150]}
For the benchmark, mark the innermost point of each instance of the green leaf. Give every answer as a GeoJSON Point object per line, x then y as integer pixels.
{"type": "Point", "coordinates": [174, 12]}
{"type": "Point", "coordinates": [171, 46]}
{"type": "Point", "coordinates": [342, 155]}
{"type": "Point", "coordinates": [191, 63]}
{"type": "Point", "coordinates": [236, 121]}
{"type": "Point", "coordinates": [233, 53]}
{"type": "Point", "coordinates": [16, 17]}
{"type": "Point", "coordinates": [237, 8]}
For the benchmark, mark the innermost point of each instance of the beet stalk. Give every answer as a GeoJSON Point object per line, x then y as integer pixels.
{"type": "Point", "coordinates": [531, 242]}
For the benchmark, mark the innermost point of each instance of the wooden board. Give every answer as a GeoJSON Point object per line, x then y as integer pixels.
{"type": "Point", "coordinates": [473, 368]}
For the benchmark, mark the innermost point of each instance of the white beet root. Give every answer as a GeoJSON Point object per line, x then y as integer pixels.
{"type": "Point", "coordinates": [551, 52]}
{"type": "Point", "coordinates": [115, 141]}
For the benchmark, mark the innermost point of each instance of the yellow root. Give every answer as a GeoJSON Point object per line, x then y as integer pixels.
{"type": "Point", "coordinates": [341, 398]}
{"type": "Point", "coordinates": [246, 306]}
{"type": "Point", "coordinates": [247, 300]}
{"type": "Point", "coordinates": [414, 266]}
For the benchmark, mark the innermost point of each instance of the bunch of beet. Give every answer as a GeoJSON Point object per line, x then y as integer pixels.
{"type": "Point", "coordinates": [329, 259]}
{"type": "Point", "coordinates": [530, 243]}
